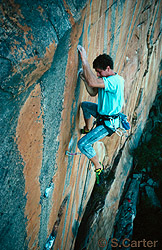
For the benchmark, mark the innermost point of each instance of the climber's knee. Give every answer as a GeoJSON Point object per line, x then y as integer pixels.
{"type": "Point", "coordinates": [86, 150]}
{"type": "Point", "coordinates": [83, 105]}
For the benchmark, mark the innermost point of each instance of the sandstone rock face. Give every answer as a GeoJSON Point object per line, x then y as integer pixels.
{"type": "Point", "coordinates": [43, 191]}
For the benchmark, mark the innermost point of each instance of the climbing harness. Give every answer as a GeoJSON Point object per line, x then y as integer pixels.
{"type": "Point", "coordinates": [123, 123]}
{"type": "Point", "coordinates": [100, 120]}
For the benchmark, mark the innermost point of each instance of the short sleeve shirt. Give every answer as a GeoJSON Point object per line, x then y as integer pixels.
{"type": "Point", "coordinates": [111, 98]}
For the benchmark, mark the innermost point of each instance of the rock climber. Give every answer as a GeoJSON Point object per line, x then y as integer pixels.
{"type": "Point", "coordinates": [110, 89]}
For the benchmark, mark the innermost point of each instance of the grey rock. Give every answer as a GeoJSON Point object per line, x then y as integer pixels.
{"type": "Point", "coordinates": [5, 67]}
{"type": "Point", "coordinates": [154, 201]}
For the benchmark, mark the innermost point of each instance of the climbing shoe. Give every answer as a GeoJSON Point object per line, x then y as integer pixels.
{"type": "Point", "coordinates": [99, 175]}
{"type": "Point", "coordinates": [84, 131]}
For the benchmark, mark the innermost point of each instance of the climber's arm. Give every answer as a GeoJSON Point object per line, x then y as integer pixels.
{"type": "Point", "coordinates": [91, 91]}
{"type": "Point", "coordinates": [90, 77]}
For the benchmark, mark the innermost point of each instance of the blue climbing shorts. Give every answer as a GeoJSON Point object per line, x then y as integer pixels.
{"type": "Point", "coordinates": [85, 144]}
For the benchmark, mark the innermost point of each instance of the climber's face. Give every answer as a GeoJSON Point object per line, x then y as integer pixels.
{"type": "Point", "coordinates": [103, 73]}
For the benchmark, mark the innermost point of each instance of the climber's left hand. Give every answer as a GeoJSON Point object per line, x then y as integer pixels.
{"type": "Point", "coordinates": [82, 52]}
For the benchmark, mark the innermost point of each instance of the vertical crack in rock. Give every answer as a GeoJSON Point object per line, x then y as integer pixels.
{"type": "Point", "coordinates": [148, 39]}
{"type": "Point", "coordinates": [51, 240]}
{"type": "Point", "coordinates": [96, 204]}
{"type": "Point", "coordinates": [123, 227]}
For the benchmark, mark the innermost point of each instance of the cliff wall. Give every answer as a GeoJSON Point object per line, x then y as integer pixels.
{"type": "Point", "coordinates": [43, 191]}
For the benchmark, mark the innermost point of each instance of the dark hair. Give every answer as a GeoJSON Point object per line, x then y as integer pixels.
{"type": "Point", "coordinates": [102, 61]}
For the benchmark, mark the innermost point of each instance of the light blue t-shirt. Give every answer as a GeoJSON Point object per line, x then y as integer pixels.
{"type": "Point", "coordinates": [111, 98]}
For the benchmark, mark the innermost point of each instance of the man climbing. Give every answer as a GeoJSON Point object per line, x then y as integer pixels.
{"type": "Point", "coordinates": [110, 89]}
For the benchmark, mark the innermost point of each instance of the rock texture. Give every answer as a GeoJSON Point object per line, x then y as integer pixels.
{"type": "Point", "coordinates": [43, 191]}
{"type": "Point", "coordinates": [123, 226]}
{"type": "Point", "coordinates": [148, 161]}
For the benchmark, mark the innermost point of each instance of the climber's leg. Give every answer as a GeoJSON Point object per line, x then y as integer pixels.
{"type": "Point", "coordinates": [95, 161]}
{"type": "Point", "coordinates": [85, 143]}
{"type": "Point", "coordinates": [89, 109]}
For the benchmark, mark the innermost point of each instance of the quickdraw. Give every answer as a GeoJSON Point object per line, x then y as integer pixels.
{"type": "Point", "coordinates": [71, 154]}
